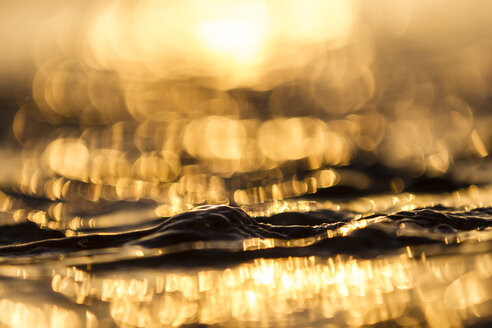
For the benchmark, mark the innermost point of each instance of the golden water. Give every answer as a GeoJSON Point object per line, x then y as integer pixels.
{"type": "Point", "coordinates": [119, 114]}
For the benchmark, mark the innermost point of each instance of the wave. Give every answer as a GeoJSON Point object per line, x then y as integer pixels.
{"type": "Point", "coordinates": [222, 234]}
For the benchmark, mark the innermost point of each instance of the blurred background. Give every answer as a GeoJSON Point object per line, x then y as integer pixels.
{"type": "Point", "coordinates": [115, 115]}
{"type": "Point", "coordinates": [243, 102]}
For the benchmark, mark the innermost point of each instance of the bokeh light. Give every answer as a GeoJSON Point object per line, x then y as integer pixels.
{"type": "Point", "coordinates": [120, 113]}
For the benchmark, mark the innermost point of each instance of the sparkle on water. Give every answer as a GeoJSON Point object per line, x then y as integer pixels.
{"type": "Point", "coordinates": [248, 163]}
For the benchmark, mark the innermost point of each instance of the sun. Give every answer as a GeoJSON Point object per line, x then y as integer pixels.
{"type": "Point", "coordinates": [239, 38]}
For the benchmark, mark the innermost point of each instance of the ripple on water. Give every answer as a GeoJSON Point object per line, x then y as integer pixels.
{"type": "Point", "coordinates": [322, 264]}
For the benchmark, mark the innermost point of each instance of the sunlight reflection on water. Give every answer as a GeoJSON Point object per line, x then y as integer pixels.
{"type": "Point", "coordinates": [338, 115]}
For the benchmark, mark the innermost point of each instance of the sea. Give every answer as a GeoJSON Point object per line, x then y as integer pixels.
{"type": "Point", "coordinates": [251, 163]}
